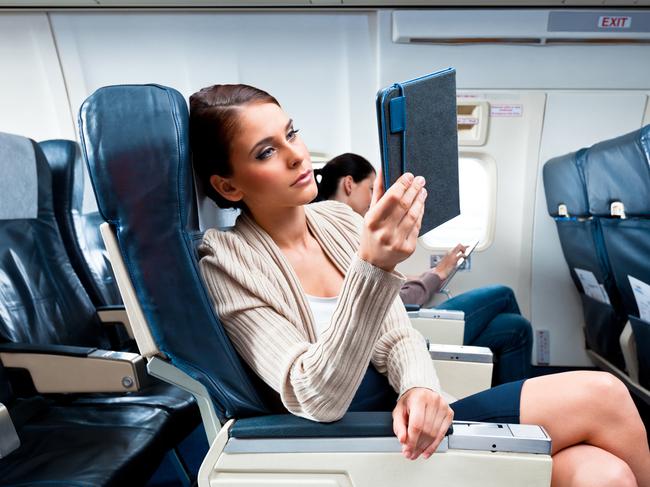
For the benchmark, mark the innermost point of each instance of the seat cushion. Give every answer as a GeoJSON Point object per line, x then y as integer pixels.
{"type": "Point", "coordinates": [74, 445]}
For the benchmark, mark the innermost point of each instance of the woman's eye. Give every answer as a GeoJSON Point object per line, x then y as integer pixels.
{"type": "Point", "coordinates": [292, 134]}
{"type": "Point", "coordinates": [265, 154]}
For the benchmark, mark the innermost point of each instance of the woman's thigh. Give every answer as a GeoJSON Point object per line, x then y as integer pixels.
{"type": "Point", "coordinates": [571, 406]}
{"type": "Point", "coordinates": [500, 404]}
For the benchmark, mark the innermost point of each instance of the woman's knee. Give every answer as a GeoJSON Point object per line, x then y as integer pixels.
{"type": "Point", "coordinates": [617, 473]}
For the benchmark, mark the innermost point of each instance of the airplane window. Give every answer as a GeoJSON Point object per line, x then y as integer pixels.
{"type": "Point", "coordinates": [477, 190]}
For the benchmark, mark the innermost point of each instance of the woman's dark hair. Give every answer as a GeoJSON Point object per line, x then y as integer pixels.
{"type": "Point", "coordinates": [213, 123]}
{"type": "Point", "coordinates": [347, 164]}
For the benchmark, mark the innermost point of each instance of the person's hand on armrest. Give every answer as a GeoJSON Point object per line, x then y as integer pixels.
{"type": "Point", "coordinates": [420, 421]}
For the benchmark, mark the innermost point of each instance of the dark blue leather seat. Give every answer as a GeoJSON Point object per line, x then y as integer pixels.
{"type": "Point", "coordinates": [66, 443]}
{"type": "Point", "coordinates": [94, 439]}
{"type": "Point", "coordinates": [583, 248]}
{"type": "Point", "coordinates": [136, 144]}
{"type": "Point", "coordinates": [617, 176]}
{"type": "Point", "coordinates": [80, 232]}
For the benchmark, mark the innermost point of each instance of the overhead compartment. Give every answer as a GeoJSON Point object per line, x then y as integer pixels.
{"type": "Point", "coordinates": [537, 27]}
{"type": "Point", "coordinates": [300, 4]}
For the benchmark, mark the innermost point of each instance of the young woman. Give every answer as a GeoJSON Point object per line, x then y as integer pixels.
{"type": "Point", "coordinates": [492, 316]}
{"type": "Point", "coordinates": [316, 352]}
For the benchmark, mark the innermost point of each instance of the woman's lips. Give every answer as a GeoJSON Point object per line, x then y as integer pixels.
{"type": "Point", "coordinates": [302, 179]}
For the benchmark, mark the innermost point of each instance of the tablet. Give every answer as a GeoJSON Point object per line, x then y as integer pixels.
{"type": "Point", "coordinates": [418, 133]}
{"type": "Point", "coordinates": [460, 262]}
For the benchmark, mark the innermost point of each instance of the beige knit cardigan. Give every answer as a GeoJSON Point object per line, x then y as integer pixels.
{"type": "Point", "coordinates": [263, 307]}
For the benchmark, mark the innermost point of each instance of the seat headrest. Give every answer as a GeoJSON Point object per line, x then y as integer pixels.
{"type": "Point", "coordinates": [65, 162]}
{"type": "Point", "coordinates": [618, 170]}
{"type": "Point", "coordinates": [563, 185]}
{"type": "Point", "coordinates": [21, 167]}
{"type": "Point", "coordinates": [136, 142]}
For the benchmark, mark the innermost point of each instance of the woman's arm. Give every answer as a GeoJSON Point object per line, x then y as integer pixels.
{"type": "Point", "coordinates": [315, 380]}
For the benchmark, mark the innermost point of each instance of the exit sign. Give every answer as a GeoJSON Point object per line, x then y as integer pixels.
{"type": "Point", "coordinates": [614, 22]}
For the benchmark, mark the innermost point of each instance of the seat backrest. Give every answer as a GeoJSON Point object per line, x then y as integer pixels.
{"type": "Point", "coordinates": [80, 232]}
{"type": "Point", "coordinates": [42, 300]}
{"type": "Point", "coordinates": [136, 143]}
{"type": "Point", "coordinates": [617, 176]}
{"type": "Point", "coordinates": [584, 251]}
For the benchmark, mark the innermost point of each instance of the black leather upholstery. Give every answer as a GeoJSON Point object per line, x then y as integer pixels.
{"type": "Point", "coordinates": [359, 424]}
{"type": "Point", "coordinates": [619, 170]}
{"type": "Point", "coordinates": [43, 300]}
{"type": "Point", "coordinates": [583, 248]}
{"type": "Point", "coordinates": [106, 437]}
{"type": "Point", "coordinates": [135, 141]}
{"type": "Point", "coordinates": [72, 444]}
{"type": "Point", "coordinates": [80, 232]}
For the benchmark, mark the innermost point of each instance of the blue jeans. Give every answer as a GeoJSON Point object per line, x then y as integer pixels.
{"type": "Point", "coordinates": [493, 320]}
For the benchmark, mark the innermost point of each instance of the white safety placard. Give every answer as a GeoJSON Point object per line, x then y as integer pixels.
{"type": "Point", "coordinates": [591, 286]}
{"type": "Point", "coordinates": [641, 292]}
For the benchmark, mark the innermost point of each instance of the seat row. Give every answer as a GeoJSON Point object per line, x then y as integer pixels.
{"type": "Point", "coordinates": [599, 198]}
{"type": "Point", "coordinates": [136, 143]}
{"type": "Point", "coordinates": [77, 405]}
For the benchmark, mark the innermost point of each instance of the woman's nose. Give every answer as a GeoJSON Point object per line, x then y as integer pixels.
{"type": "Point", "coordinates": [294, 156]}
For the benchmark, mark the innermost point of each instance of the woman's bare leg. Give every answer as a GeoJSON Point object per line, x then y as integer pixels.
{"type": "Point", "coordinates": [588, 407]}
{"type": "Point", "coordinates": [589, 466]}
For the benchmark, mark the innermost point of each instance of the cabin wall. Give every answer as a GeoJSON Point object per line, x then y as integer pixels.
{"type": "Point", "coordinates": [325, 68]}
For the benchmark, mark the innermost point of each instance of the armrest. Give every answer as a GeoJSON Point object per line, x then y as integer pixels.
{"type": "Point", "coordinates": [288, 433]}
{"type": "Point", "coordinates": [439, 326]}
{"type": "Point", "coordinates": [462, 370]}
{"type": "Point", "coordinates": [9, 440]}
{"type": "Point", "coordinates": [460, 353]}
{"type": "Point", "coordinates": [63, 369]}
{"type": "Point", "coordinates": [115, 315]}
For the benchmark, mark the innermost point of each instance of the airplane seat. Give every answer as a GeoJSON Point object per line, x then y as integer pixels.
{"type": "Point", "coordinates": [135, 141]}
{"type": "Point", "coordinates": [67, 443]}
{"type": "Point", "coordinates": [49, 340]}
{"type": "Point", "coordinates": [583, 248]}
{"type": "Point", "coordinates": [80, 232]}
{"type": "Point", "coordinates": [617, 176]}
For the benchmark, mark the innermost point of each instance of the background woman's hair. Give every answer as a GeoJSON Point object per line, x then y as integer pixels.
{"type": "Point", "coordinates": [347, 164]}
{"type": "Point", "coordinates": [213, 123]}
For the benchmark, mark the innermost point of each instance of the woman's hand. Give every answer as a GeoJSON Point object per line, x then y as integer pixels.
{"type": "Point", "coordinates": [392, 223]}
{"type": "Point", "coordinates": [420, 421]}
{"type": "Point", "coordinates": [449, 261]}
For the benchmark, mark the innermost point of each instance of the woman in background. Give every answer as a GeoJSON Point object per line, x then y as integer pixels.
{"type": "Point", "coordinates": [492, 316]}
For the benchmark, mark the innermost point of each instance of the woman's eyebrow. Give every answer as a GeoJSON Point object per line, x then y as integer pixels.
{"type": "Point", "coordinates": [267, 140]}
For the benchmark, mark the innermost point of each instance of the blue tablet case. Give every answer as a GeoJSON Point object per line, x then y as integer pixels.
{"type": "Point", "coordinates": [418, 133]}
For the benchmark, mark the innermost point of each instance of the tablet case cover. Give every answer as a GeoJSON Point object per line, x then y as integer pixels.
{"type": "Point", "coordinates": [418, 134]}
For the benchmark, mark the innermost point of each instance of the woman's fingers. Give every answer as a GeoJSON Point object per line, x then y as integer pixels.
{"type": "Point", "coordinates": [389, 206]}
{"type": "Point", "coordinates": [416, 417]}
{"type": "Point", "coordinates": [413, 216]}
{"type": "Point", "coordinates": [441, 432]}
{"type": "Point", "coordinates": [400, 419]}
{"type": "Point", "coordinates": [378, 187]}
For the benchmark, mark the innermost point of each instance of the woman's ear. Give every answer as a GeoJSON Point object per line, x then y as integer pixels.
{"type": "Point", "coordinates": [225, 188]}
{"type": "Point", "coordinates": [348, 183]}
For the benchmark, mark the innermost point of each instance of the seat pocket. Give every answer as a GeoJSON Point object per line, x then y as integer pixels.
{"type": "Point", "coordinates": [603, 328]}
{"type": "Point", "coordinates": [641, 330]}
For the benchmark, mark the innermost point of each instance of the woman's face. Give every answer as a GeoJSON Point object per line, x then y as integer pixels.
{"type": "Point", "coordinates": [271, 166]}
{"type": "Point", "coordinates": [361, 194]}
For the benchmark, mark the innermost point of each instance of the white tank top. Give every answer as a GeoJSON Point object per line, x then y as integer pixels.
{"type": "Point", "coordinates": [322, 309]}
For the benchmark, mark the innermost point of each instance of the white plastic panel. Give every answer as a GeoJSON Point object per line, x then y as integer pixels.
{"type": "Point", "coordinates": [512, 142]}
{"type": "Point", "coordinates": [33, 100]}
{"type": "Point", "coordinates": [320, 67]}
{"type": "Point", "coordinates": [573, 120]}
